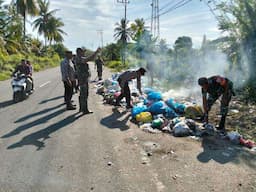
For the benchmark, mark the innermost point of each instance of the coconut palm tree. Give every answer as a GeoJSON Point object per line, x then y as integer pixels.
{"type": "Point", "coordinates": [25, 7]}
{"type": "Point", "coordinates": [138, 27]}
{"type": "Point", "coordinates": [54, 32]}
{"type": "Point", "coordinates": [44, 17]}
{"type": "Point", "coordinates": [11, 29]}
{"type": "Point", "coordinates": [123, 33]}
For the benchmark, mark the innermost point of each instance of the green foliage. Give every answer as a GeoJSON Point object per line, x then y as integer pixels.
{"type": "Point", "coordinates": [116, 65]}
{"type": "Point", "coordinates": [111, 52]}
{"type": "Point", "coordinates": [238, 19]}
{"type": "Point", "coordinates": [248, 92]}
{"type": "Point", "coordinates": [60, 49]}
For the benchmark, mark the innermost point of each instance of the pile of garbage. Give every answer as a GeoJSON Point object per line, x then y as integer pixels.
{"type": "Point", "coordinates": [155, 114]}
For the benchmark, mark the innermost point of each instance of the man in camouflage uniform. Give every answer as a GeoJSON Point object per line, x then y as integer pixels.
{"type": "Point", "coordinates": [212, 88]}
{"type": "Point", "coordinates": [83, 75]}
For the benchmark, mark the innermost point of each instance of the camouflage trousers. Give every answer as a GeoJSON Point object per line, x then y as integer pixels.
{"type": "Point", "coordinates": [83, 106]}
{"type": "Point", "coordinates": [224, 102]}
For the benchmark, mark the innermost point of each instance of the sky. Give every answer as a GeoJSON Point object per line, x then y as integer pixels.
{"type": "Point", "coordinates": [84, 19]}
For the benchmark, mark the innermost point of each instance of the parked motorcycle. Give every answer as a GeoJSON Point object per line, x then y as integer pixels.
{"type": "Point", "coordinates": [21, 86]}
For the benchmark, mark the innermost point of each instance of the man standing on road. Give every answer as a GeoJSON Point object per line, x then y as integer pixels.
{"type": "Point", "coordinates": [68, 76]}
{"type": "Point", "coordinates": [123, 81]}
{"type": "Point", "coordinates": [99, 65]}
{"type": "Point", "coordinates": [83, 74]}
{"type": "Point", "coordinates": [216, 86]}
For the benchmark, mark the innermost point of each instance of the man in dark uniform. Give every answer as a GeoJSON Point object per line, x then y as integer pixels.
{"type": "Point", "coordinates": [83, 75]}
{"type": "Point", "coordinates": [216, 86]}
{"type": "Point", "coordinates": [123, 81]}
{"type": "Point", "coordinates": [99, 65]}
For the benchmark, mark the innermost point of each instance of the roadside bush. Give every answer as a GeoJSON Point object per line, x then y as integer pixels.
{"type": "Point", "coordinates": [115, 65]}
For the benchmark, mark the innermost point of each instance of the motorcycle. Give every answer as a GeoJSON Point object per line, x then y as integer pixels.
{"type": "Point", "coordinates": [21, 86]}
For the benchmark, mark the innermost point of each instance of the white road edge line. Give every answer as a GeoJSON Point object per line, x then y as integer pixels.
{"type": "Point", "coordinates": [45, 84]}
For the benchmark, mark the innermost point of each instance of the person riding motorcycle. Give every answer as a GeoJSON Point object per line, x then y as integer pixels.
{"type": "Point", "coordinates": [23, 68]}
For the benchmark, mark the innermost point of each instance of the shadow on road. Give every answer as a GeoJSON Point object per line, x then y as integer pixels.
{"type": "Point", "coordinates": [38, 138]}
{"type": "Point", "coordinates": [51, 99]}
{"type": "Point", "coordinates": [222, 151]}
{"type": "Point", "coordinates": [34, 123]}
{"type": "Point", "coordinates": [37, 113]}
{"type": "Point", "coordinates": [6, 103]}
{"type": "Point", "coordinates": [112, 121]}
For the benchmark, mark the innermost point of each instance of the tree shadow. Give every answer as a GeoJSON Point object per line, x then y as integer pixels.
{"type": "Point", "coordinates": [38, 113]}
{"type": "Point", "coordinates": [51, 99]}
{"type": "Point", "coordinates": [6, 103]}
{"type": "Point", "coordinates": [112, 121]}
{"type": "Point", "coordinates": [38, 138]}
{"type": "Point", "coordinates": [34, 123]}
{"type": "Point", "coordinates": [223, 151]}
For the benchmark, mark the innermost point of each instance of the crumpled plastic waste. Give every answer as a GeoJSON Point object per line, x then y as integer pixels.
{"type": "Point", "coordinates": [234, 137]}
{"type": "Point", "coordinates": [181, 129]}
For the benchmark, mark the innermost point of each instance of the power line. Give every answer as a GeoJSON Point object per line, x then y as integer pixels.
{"type": "Point", "coordinates": [211, 9]}
{"type": "Point", "coordinates": [167, 4]}
{"type": "Point", "coordinates": [176, 6]}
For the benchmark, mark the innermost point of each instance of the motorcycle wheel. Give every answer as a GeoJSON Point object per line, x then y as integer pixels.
{"type": "Point", "coordinates": [16, 96]}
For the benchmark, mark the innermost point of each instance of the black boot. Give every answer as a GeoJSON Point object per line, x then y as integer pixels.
{"type": "Point", "coordinates": [86, 111]}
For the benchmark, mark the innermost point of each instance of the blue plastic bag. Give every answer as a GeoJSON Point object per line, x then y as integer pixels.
{"type": "Point", "coordinates": [178, 107]}
{"type": "Point", "coordinates": [155, 96]}
{"type": "Point", "coordinates": [148, 90]}
{"type": "Point", "coordinates": [170, 113]}
{"type": "Point", "coordinates": [158, 107]}
{"type": "Point", "coordinates": [138, 109]}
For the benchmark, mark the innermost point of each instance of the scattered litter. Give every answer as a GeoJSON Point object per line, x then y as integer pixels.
{"type": "Point", "coordinates": [181, 129]}
{"type": "Point", "coordinates": [110, 163]}
{"type": "Point", "coordinates": [234, 137]}
{"type": "Point", "coordinates": [151, 130]}
{"type": "Point", "coordinates": [247, 143]}
{"type": "Point", "coordinates": [234, 111]}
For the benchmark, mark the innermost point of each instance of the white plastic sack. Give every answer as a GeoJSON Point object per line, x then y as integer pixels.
{"type": "Point", "coordinates": [181, 129]}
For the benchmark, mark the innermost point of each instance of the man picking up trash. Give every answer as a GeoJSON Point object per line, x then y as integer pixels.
{"type": "Point", "coordinates": [123, 81]}
{"type": "Point", "coordinates": [216, 86]}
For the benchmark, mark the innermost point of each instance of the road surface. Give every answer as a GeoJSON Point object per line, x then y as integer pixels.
{"type": "Point", "coordinates": [45, 148]}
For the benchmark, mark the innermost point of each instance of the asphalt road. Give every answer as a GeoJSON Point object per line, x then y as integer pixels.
{"type": "Point", "coordinates": [44, 148]}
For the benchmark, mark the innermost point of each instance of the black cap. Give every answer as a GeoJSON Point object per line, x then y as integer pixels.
{"type": "Point", "coordinates": [202, 81]}
{"type": "Point", "coordinates": [142, 70]}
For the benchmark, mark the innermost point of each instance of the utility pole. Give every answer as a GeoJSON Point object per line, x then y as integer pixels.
{"type": "Point", "coordinates": [155, 27]}
{"type": "Point", "coordinates": [125, 2]}
{"type": "Point", "coordinates": [158, 24]}
{"type": "Point", "coordinates": [152, 13]}
{"type": "Point", "coordinates": [100, 32]}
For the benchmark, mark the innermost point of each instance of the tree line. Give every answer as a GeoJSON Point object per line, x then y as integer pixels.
{"type": "Point", "coordinates": [16, 44]}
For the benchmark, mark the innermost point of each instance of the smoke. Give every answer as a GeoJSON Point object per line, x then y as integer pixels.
{"type": "Point", "coordinates": [176, 74]}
